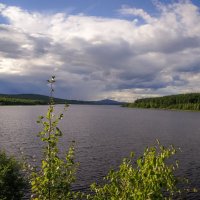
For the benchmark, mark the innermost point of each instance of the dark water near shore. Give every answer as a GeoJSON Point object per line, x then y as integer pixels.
{"type": "Point", "coordinates": [106, 134]}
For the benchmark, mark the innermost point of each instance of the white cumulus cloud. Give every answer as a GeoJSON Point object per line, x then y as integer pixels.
{"type": "Point", "coordinates": [97, 57]}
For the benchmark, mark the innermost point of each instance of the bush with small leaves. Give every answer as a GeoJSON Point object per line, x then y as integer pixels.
{"type": "Point", "coordinates": [149, 178]}
{"type": "Point", "coordinates": [12, 182]}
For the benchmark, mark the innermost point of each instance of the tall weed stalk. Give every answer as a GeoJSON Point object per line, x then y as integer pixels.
{"type": "Point", "coordinates": [53, 178]}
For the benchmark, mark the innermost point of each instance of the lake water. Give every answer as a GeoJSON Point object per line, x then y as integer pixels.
{"type": "Point", "coordinates": [106, 134]}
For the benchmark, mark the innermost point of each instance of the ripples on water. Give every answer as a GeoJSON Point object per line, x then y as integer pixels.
{"type": "Point", "coordinates": [106, 134]}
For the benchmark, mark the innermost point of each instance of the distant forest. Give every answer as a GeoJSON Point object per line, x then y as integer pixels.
{"type": "Point", "coordinates": [190, 101]}
{"type": "Point", "coordinates": [37, 99]}
{"type": "Point", "coordinates": [28, 99]}
{"type": "Point", "coordinates": [15, 101]}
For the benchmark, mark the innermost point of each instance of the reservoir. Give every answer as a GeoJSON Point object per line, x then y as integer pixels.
{"type": "Point", "coordinates": [104, 135]}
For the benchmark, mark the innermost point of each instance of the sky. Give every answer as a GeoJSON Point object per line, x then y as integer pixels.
{"type": "Point", "coordinates": [97, 49]}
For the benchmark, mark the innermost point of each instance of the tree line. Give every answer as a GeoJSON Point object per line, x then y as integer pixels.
{"type": "Point", "coordinates": [190, 101]}
{"type": "Point", "coordinates": [16, 101]}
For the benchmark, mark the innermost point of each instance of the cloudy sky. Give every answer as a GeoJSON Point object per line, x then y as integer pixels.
{"type": "Point", "coordinates": [122, 49]}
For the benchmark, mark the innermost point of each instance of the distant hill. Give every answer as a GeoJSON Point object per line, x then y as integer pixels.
{"type": "Point", "coordinates": [190, 101]}
{"type": "Point", "coordinates": [37, 99]}
{"type": "Point", "coordinates": [108, 102]}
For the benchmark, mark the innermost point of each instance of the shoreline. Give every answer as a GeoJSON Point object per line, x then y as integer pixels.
{"type": "Point", "coordinates": [167, 109]}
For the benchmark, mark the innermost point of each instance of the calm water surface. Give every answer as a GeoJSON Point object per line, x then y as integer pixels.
{"type": "Point", "coordinates": [106, 134]}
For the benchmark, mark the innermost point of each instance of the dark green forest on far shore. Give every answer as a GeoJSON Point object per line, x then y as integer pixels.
{"type": "Point", "coordinates": [190, 101]}
{"type": "Point", "coordinates": [26, 99]}
{"type": "Point", "coordinates": [37, 99]}
{"type": "Point", "coordinates": [15, 101]}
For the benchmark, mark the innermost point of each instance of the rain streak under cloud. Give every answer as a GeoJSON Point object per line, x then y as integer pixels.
{"type": "Point", "coordinates": [134, 55]}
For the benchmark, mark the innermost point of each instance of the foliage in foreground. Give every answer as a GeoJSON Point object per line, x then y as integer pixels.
{"type": "Point", "coordinates": [149, 178]}
{"type": "Point", "coordinates": [52, 180]}
{"type": "Point", "coordinates": [12, 183]}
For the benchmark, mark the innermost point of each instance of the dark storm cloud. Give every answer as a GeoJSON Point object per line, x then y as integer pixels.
{"type": "Point", "coordinates": [41, 45]}
{"type": "Point", "coordinates": [178, 44]}
{"type": "Point", "coordinates": [194, 68]}
{"type": "Point", "coordinates": [11, 49]}
{"type": "Point", "coordinates": [13, 84]}
{"type": "Point", "coordinates": [111, 54]}
{"type": "Point", "coordinates": [178, 81]}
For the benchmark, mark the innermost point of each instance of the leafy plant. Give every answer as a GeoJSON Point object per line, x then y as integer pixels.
{"type": "Point", "coordinates": [52, 180]}
{"type": "Point", "coordinates": [149, 178]}
{"type": "Point", "coordinates": [12, 182]}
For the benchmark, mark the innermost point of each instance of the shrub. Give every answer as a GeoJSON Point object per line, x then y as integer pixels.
{"type": "Point", "coordinates": [52, 179]}
{"type": "Point", "coordinates": [149, 178]}
{"type": "Point", "coordinates": [12, 183]}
